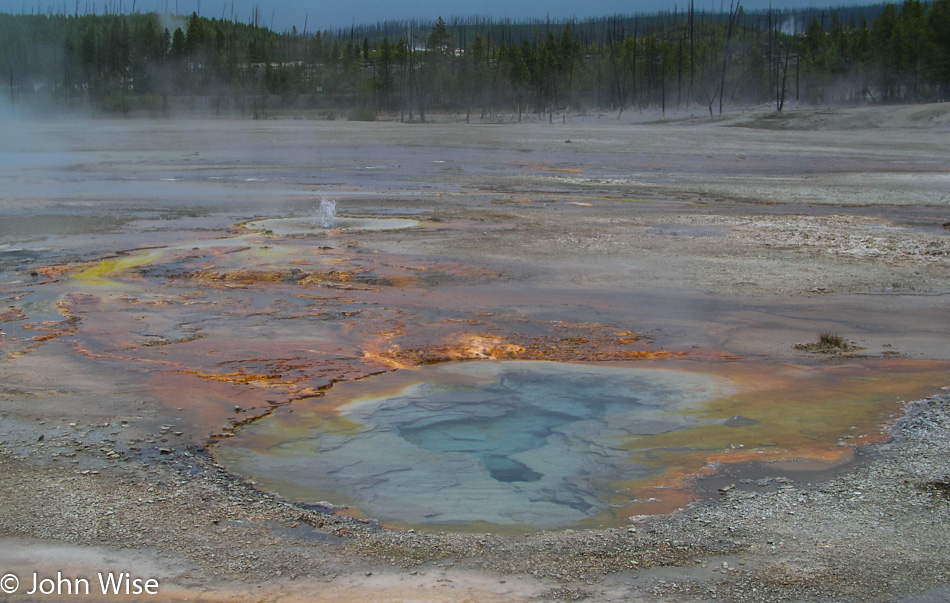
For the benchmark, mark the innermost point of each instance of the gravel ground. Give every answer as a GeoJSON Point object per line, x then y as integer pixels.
{"type": "Point", "coordinates": [877, 532]}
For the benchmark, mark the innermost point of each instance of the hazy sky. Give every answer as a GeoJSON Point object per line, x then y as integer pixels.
{"type": "Point", "coordinates": [325, 14]}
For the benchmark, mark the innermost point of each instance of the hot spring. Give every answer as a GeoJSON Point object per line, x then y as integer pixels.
{"type": "Point", "coordinates": [304, 226]}
{"type": "Point", "coordinates": [500, 445]}
{"type": "Point", "coordinates": [326, 219]}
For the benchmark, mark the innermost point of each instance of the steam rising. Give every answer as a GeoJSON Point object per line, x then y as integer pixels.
{"type": "Point", "coordinates": [326, 214]}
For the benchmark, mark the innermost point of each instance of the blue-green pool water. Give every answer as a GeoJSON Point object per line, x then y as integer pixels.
{"type": "Point", "coordinates": [535, 444]}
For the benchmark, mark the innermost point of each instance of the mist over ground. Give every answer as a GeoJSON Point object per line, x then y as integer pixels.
{"type": "Point", "coordinates": [490, 70]}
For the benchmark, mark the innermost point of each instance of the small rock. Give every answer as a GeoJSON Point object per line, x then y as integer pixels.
{"type": "Point", "coordinates": [740, 421]}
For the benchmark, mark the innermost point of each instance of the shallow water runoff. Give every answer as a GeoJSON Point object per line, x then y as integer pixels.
{"type": "Point", "coordinates": [501, 445]}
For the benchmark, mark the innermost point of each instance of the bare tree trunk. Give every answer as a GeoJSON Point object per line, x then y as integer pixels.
{"type": "Point", "coordinates": [679, 72]}
{"type": "Point", "coordinates": [781, 97]}
{"type": "Point", "coordinates": [798, 65]}
{"type": "Point", "coordinates": [12, 88]}
{"type": "Point", "coordinates": [411, 76]}
{"type": "Point", "coordinates": [570, 75]}
{"type": "Point", "coordinates": [692, 56]}
{"type": "Point", "coordinates": [770, 54]}
{"type": "Point", "coordinates": [663, 84]}
{"type": "Point", "coordinates": [733, 15]}
{"type": "Point", "coordinates": [621, 91]}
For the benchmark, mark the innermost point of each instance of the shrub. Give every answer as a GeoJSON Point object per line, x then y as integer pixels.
{"type": "Point", "coordinates": [361, 114]}
{"type": "Point", "coordinates": [828, 343]}
{"type": "Point", "coordinates": [832, 340]}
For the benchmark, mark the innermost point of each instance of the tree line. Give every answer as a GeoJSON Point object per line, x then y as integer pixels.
{"type": "Point", "coordinates": [149, 62]}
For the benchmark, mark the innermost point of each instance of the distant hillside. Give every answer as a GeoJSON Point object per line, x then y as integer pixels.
{"type": "Point", "coordinates": [158, 64]}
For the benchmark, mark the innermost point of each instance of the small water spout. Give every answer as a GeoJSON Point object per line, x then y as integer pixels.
{"type": "Point", "coordinates": [326, 214]}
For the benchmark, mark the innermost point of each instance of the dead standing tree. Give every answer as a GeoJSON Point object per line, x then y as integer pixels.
{"type": "Point", "coordinates": [778, 64]}
{"type": "Point", "coordinates": [733, 17]}
{"type": "Point", "coordinates": [713, 92]}
{"type": "Point", "coordinates": [782, 86]}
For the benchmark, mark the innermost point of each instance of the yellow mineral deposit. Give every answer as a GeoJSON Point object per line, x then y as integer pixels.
{"type": "Point", "coordinates": [98, 274]}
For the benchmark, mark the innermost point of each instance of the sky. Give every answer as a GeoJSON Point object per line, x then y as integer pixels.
{"type": "Point", "coordinates": [282, 15]}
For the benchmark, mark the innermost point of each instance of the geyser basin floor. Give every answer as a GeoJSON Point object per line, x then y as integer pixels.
{"type": "Point", "coordinates": [184, 339]}
{"type": "Point", "coordinates": [529, 445]}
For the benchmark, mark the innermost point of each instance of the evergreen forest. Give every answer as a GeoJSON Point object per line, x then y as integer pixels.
{"type": "Point", "coordinates": [479, 68]}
